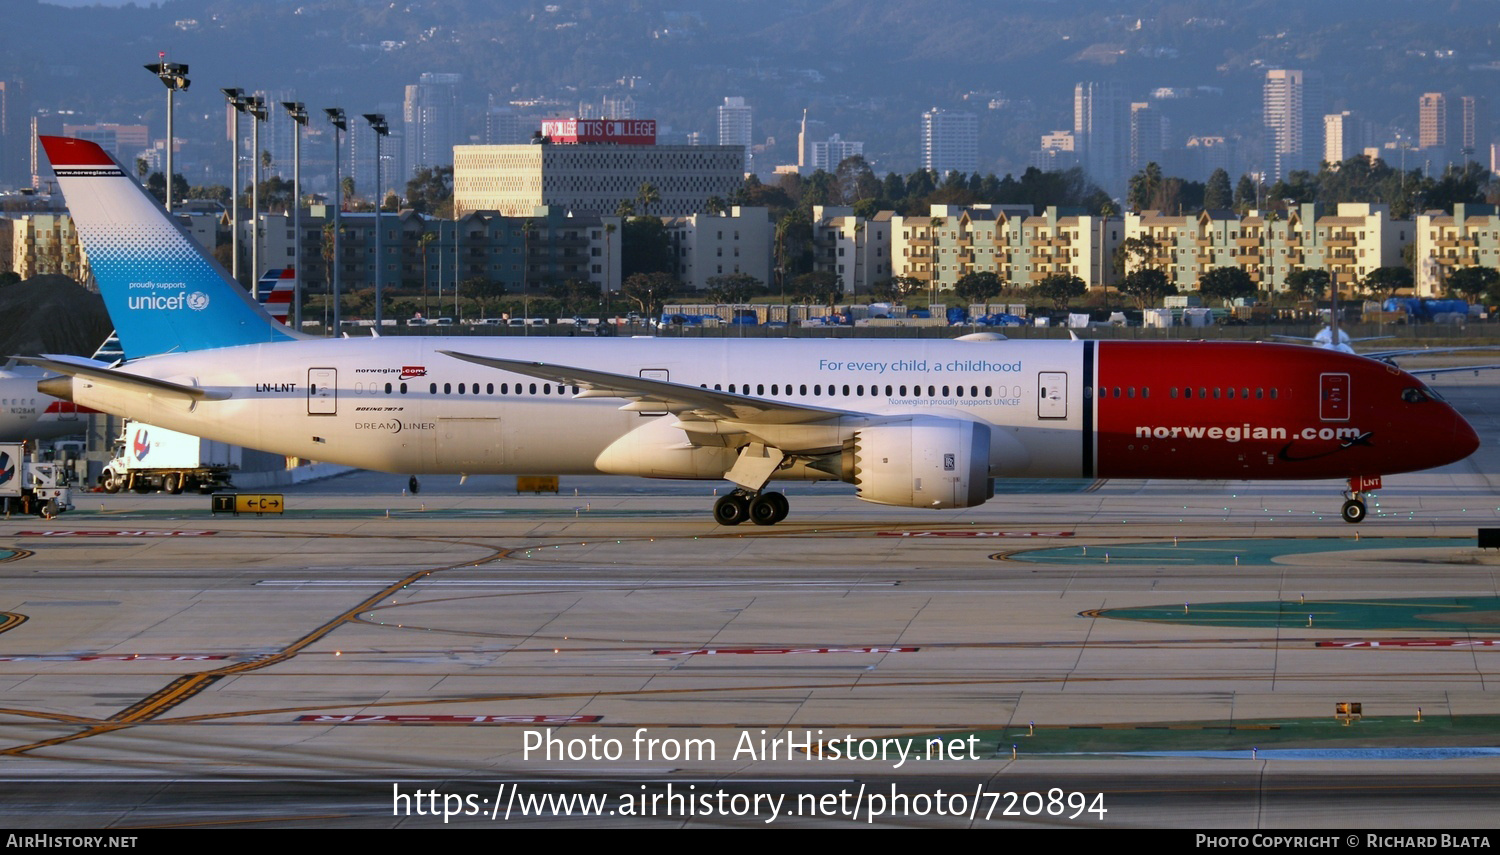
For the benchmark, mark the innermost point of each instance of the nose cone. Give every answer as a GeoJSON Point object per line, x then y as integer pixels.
{"type": "Point", "coordinates": [1465, 441]}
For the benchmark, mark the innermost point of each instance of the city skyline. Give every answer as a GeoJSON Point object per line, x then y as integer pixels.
{"type": "Point", "coordinates": [1197, 101]}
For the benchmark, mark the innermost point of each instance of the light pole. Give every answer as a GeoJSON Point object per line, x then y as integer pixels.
{"type": "Point", "coordinates": [173, 75]}
{"type": "Point", "coordinates": [340, 122]}
{"type": "Point", "coordinates": [379, 126]}
{"type": "Point", "coordinates": [256, 107]}
{"type": "Point", "coordinates": [236, 99]}
{"type": "Point", "coordinates": [298, 111]}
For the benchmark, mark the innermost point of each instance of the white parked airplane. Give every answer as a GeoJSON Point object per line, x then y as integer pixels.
{"type": "Point", "coordinates": [914, 423]}
{"type": "Point", "coordinates": [26, 413]}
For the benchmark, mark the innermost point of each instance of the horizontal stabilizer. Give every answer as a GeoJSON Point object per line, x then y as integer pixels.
{"type": "Point", "coordinates": [100, 372]}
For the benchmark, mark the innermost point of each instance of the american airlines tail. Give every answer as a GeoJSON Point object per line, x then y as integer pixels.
{"type": "Point", "coordinates": [164, 293]}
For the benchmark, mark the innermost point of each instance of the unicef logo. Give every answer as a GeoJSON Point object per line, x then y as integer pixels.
{"type": "Point", "coordinates": [197, 301]}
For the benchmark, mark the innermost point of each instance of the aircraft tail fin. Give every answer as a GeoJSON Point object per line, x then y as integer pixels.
{"type": "Point", "coordinates": [163, 291]}
{"type": "Point", "coordinates": [276, 291]}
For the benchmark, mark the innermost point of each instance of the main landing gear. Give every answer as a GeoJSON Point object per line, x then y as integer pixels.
{"type": "Point", "coordinates": [761, 509]}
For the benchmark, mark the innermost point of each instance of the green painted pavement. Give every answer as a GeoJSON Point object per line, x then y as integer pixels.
{"type": "Point", "coordinates": [1394, 730]}
{"type": "Point", "coordinates": [1246, 551]}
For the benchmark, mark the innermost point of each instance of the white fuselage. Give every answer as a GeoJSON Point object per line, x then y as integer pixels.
{"type": "Point", "coordinates": [397, 404]}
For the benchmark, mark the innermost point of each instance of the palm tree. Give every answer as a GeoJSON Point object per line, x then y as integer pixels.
{"type": "Point", "coordinates": [647, 196]}
{"type": "Point", "coordinates": [1106, 211]}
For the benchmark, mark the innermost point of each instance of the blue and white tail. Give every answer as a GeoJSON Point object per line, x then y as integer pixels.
{"type": "Point", "coordinates": [164, 293]}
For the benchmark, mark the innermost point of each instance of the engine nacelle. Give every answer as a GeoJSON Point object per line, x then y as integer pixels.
{"type": "Point", "coordinates": [923, 462]}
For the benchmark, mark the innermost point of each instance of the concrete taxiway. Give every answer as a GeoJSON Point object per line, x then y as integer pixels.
{"type": "Point", "coordinates": [163, 666]}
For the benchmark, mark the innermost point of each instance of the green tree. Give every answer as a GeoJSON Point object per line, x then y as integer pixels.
{"type": "Point", "coordinates": [156, 185]}
{"type": "Point", "coordinates": [978, 287]}
{"type": "Point", "coordinates": [856, 180]}
{"type": "Point", "coordinates": [1145, 187]}
{"type": "Point", "coordinates": [1307, 284]}
{"type": "Point", "coordinates": [430, 191]}
{"type": "Point", "coordinates": [648, 291]}
{"type": "Point", "coordinates": [1226, 283]}
{"type": "Point", "coordinates": [1061, 289]}
{"type": "Point", "coordinates": [1473, 283]}
{"type": "Point", "coordinates": [1383, 282]}
{"type": "Point", "coordinates": [483, 290]}
{"type": "Point", "coordinates": [1217, 194]}
{"type": "Point", "coordinates": [647, 196]}
{"type": "Point", "coordinates": [646, 247]}
{"type": "Point", "coordinates": [1146, 286]}
{"type": "Point", "coordinates": [733, 287]}
{"type": "Point", "coordinates": [896, 288]}
{"type": "Point", "coordinates": [1246, 194]}
{"type": "Point", "coordinates": [575, 296]}
{"type": "Point", "coordinates": [820, 287]}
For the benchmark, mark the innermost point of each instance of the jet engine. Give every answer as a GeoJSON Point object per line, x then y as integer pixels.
{"type": "Point", "coordinates": [922, 462]}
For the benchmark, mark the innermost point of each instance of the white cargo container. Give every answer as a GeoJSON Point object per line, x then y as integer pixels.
{"type": "Point", "coordinates": [149, 458]}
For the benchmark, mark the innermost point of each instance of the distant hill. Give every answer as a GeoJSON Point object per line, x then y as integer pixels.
{"type": "Point", "coordinates": [51, 314]}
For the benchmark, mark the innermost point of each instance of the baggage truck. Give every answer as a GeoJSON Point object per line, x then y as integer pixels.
{"type": "Point", "coordinates": [150, 458]}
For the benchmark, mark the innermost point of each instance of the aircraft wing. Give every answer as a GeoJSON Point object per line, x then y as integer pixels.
{"type": "Point", "coordinates": [100, 372]}
{"type": "Point", "coordinates": [1432, 372]}
{"type": "Point", "coordinates": [676, 398]}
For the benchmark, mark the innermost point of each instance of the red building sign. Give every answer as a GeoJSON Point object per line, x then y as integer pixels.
{"type": "Point", "coordinates": [618, 131]}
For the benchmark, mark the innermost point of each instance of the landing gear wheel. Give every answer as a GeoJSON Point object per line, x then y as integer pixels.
{"type": "Point", "coordinates": [763, 509]}
{"type": "Point", "coordinates": [731, 509]}
{"type": "Point", "coordinates": [1353, 511]}
{"type": "Point", "coordinates": [781, 504]}
{"type": "Point", "coordinates": [414, 485]}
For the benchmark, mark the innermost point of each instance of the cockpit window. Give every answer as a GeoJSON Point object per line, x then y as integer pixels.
{"type": "Point", "coordinates": [1415, 395]}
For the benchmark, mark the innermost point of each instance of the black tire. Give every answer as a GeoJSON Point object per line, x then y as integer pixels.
{"type": "Point", "coordinates": [783, 507]}
{"type": "Point", "coordinates": [414, 485]}
{"type": "Point", "coordinates": [1353, 511]}
{"type": "Point", "coordinates": [48, 510]}
{"type": "Point", "coordinates": [110, 483]}
{"type": "Point", "coordinates": [731, 510]}
{"type": "Point", "coordinates": [172, 483]}
{"type": "Point", "coordinates": [763, 509]}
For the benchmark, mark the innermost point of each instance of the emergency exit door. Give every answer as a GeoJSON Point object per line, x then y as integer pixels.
{"type": "Point", "coordinates": [1052, 395]}
{"type": "Point", "coordinates": [322, 391]}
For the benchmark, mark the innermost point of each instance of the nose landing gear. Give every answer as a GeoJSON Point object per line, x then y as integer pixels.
{"type": "Point", "coordinates": [1360, 487]}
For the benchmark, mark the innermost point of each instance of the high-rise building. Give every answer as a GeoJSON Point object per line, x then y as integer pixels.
{"type": "Point", "coordinates": [1474, 136]}
{"type": "Point", "coordinates": [1432, 120]}
{"type": "Point", "coordinates": [1148, 136]}
{"type": "Point", "coordinates": [1101, 128]}
{"type": "Point", "coordinates": [828, 154]}
{"type": "Point", "coordinates": [1292, 100]}
{"type": "Point", "coordinates": [431, 119]}
{"type": "Point", "coordinates": [15, 130]}
{"type": "Point", "coordinates": [950, 142]}
{"type": "Point", "coordinates": [735, 127]}
{"type": "Point", "coordinates": [1344, 136]}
